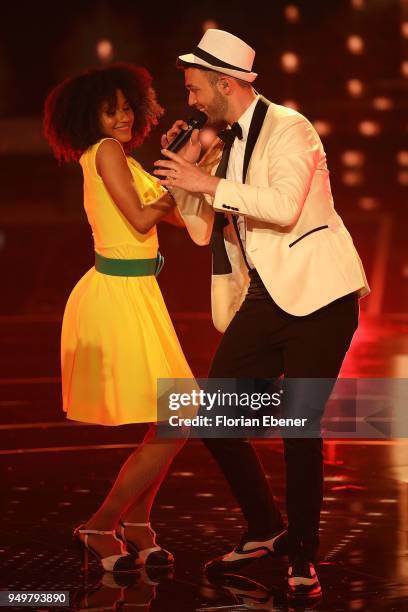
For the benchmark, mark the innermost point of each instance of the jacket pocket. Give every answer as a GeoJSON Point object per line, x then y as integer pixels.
{"type": "Point", "coordinates": [316, 229]}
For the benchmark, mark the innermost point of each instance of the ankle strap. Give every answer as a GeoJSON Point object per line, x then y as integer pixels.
{"type": "Point", "coordinates": [96, 532]}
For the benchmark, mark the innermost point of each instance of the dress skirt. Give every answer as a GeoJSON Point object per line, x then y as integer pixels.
{"type": "Point", "coordinates": [117, 340]}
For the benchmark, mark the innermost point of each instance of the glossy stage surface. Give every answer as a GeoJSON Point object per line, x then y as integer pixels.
{"type": "Point", "coordinates": [54, 474]}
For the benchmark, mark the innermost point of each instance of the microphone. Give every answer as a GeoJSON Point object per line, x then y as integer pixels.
{"type": "Point", "coordinates": [194, 123]}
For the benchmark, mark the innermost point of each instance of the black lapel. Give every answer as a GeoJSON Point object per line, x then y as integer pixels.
{"type": "Point", "coordinates": [254, 129]}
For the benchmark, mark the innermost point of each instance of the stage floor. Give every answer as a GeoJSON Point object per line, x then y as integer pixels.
{"type": "Point", "coordinates": [55, 473]}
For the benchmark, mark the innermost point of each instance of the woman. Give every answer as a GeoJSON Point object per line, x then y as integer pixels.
{"type": "Point", "coordinates": [117, 337]}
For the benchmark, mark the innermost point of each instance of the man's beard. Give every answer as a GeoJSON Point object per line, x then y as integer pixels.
{"type": "Point", "coordinates": [216, 112]}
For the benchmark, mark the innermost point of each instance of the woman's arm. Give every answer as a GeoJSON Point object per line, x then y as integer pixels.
{"type": "Point", "coordinates": [112, 167]}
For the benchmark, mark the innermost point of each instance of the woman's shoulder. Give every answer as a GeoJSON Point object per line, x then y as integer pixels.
{"type": "Point", "coordinates": [106, 149]}
{"type": "Point", "coordinates": [104, 144]}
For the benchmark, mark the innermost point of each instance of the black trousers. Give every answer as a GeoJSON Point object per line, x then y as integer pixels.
{"type": "Point", "coordinates": [263, 341]}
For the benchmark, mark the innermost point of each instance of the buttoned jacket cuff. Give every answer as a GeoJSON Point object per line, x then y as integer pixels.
{"type": "Point", "coordinates": [219, 201]}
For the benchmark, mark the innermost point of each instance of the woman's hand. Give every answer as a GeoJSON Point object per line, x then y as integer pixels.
{"type": "Point", "coordinates": [192, 149]}
{"type": "Point", "coordinates": [179, 172]}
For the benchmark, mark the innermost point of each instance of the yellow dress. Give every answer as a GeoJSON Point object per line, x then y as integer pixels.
{"type": "Point", "coordinates": [117, 336]}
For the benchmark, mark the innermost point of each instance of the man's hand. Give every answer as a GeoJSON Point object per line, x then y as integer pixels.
{"type": "Point", "coordinates": [179, 172]}
{"type": "Point", "coordinates": [192, 149]}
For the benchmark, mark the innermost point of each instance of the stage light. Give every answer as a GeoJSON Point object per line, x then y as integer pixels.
{"type": "Point", "coordinates": [209, 24]}
{"type": "Point", "coordinates": [404, 29]}
{"type": "Point", "coordinates": [290, 62]}
{"type": "Point", "coordinates": [355, 87]}
{"type": "Point", "coordinates": [368, 203]}
{"type": "Point", "coordinates": [358, 4]}
{"type": "Point", "coordinates": [323, 128]}
{"type": "Point", "coordinates": [104, 50]}
{"type": "Point", "coordinates": [355, 44]}
{"type": "Point", "coordinates": [402, 158]}
{"type": "Point", "coordinates": [357, 584]}
{"type": "Point", "coordinates": [404, 69]}
{"type": "Point", "coordinates": [382, 103]}
{"type": "Point", "coordinates": [353, 159]}
{"type": "Point", "coordinates": [292, 13]}
{"type": "Point", "coordinates": [403, 178]}
{"type": "Point", "coordinates": [291, 104]}
{"type": "Point", "coordinates": [352, 178]}
{"type": "Point", "coordinates": [369, 128]}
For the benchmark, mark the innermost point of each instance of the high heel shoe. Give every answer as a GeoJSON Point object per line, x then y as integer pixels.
{"type": "Point", "coordinates": [114, 563]}
{"type": "Point", "coordinates": [152, 557]}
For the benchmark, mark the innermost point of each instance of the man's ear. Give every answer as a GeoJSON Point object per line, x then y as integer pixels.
{"type": "Point", "coordinates": [224, 85]}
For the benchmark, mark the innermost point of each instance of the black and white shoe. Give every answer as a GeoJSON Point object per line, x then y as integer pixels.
{"type": "Point", "coordinates": [303, 582]}
{"type": "Point", "coordinates": [248, 550]}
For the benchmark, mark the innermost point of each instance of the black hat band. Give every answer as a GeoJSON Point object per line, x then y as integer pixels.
{"type": "Point", "coordinates": [214, 61]}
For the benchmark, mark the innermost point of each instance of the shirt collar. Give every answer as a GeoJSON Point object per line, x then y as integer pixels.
{"type": "Point", "coordinates": [246, 118]}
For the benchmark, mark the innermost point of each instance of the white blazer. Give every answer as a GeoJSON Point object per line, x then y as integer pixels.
{"type": "Point", "coordinates": [287, 203]}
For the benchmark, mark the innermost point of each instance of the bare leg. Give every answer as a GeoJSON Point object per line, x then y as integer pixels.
{"type": "Point", "coordinates": [135, 487]}
{"type": "Point", "coordinates": [139, 512]}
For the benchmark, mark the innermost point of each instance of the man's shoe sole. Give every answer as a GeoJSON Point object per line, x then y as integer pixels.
{"type": "Point", "coordinates": [224, 567]}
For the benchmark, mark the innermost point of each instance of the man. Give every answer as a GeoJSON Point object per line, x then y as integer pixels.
{"type": "Point", "coordinates": [285, 284]}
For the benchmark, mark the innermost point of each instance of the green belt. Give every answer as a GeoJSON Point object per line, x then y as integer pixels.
{"type": "Point", "coordinates": [129, 267]}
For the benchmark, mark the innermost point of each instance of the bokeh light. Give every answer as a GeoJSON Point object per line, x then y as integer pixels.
{"type": "Point", "coordinates": [290, 62]}
{"type": "Point", "coordinates": [369, 128]}
{"type": "Point", "coordinates": [353, 159]}
{"type": "Point", "coordinates": [383, 103]}
{"type": "Point", "coordinates": [104, 50]}
{"type": "Point", "coordinates": [368, 203]}
{"type": "Point", "coordinates": [358, 4]}
{"type": "Point", "coordinates": [322, 127]}
{"type": "Point", "coordinates": [403, 178]}
{"type": "Point", "coordinates": [291, 104]}
{"type": "Point", "coordinates": [209, 24]}
{"type": "Point", "coordinates": [355, 44]}
{"type": "Point", "coordinates": [402, 158]}
{"type": "Point", "coordinates": [352, 178]}
{"type": "Point", "coordinates": [292, 13]}
{"type": "Point", "coordinates": [355, 87]}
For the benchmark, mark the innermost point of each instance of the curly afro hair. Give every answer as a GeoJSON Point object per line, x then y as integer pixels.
{"type": "Point", "coordinates": [71, 110]}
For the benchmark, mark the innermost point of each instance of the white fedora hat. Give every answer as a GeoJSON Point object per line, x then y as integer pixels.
{"type": "Point", "coordinates": [223, 52]}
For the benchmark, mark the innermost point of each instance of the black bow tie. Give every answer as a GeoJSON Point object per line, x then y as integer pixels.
{"type": "Point", "coordinates": [228, 136]}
